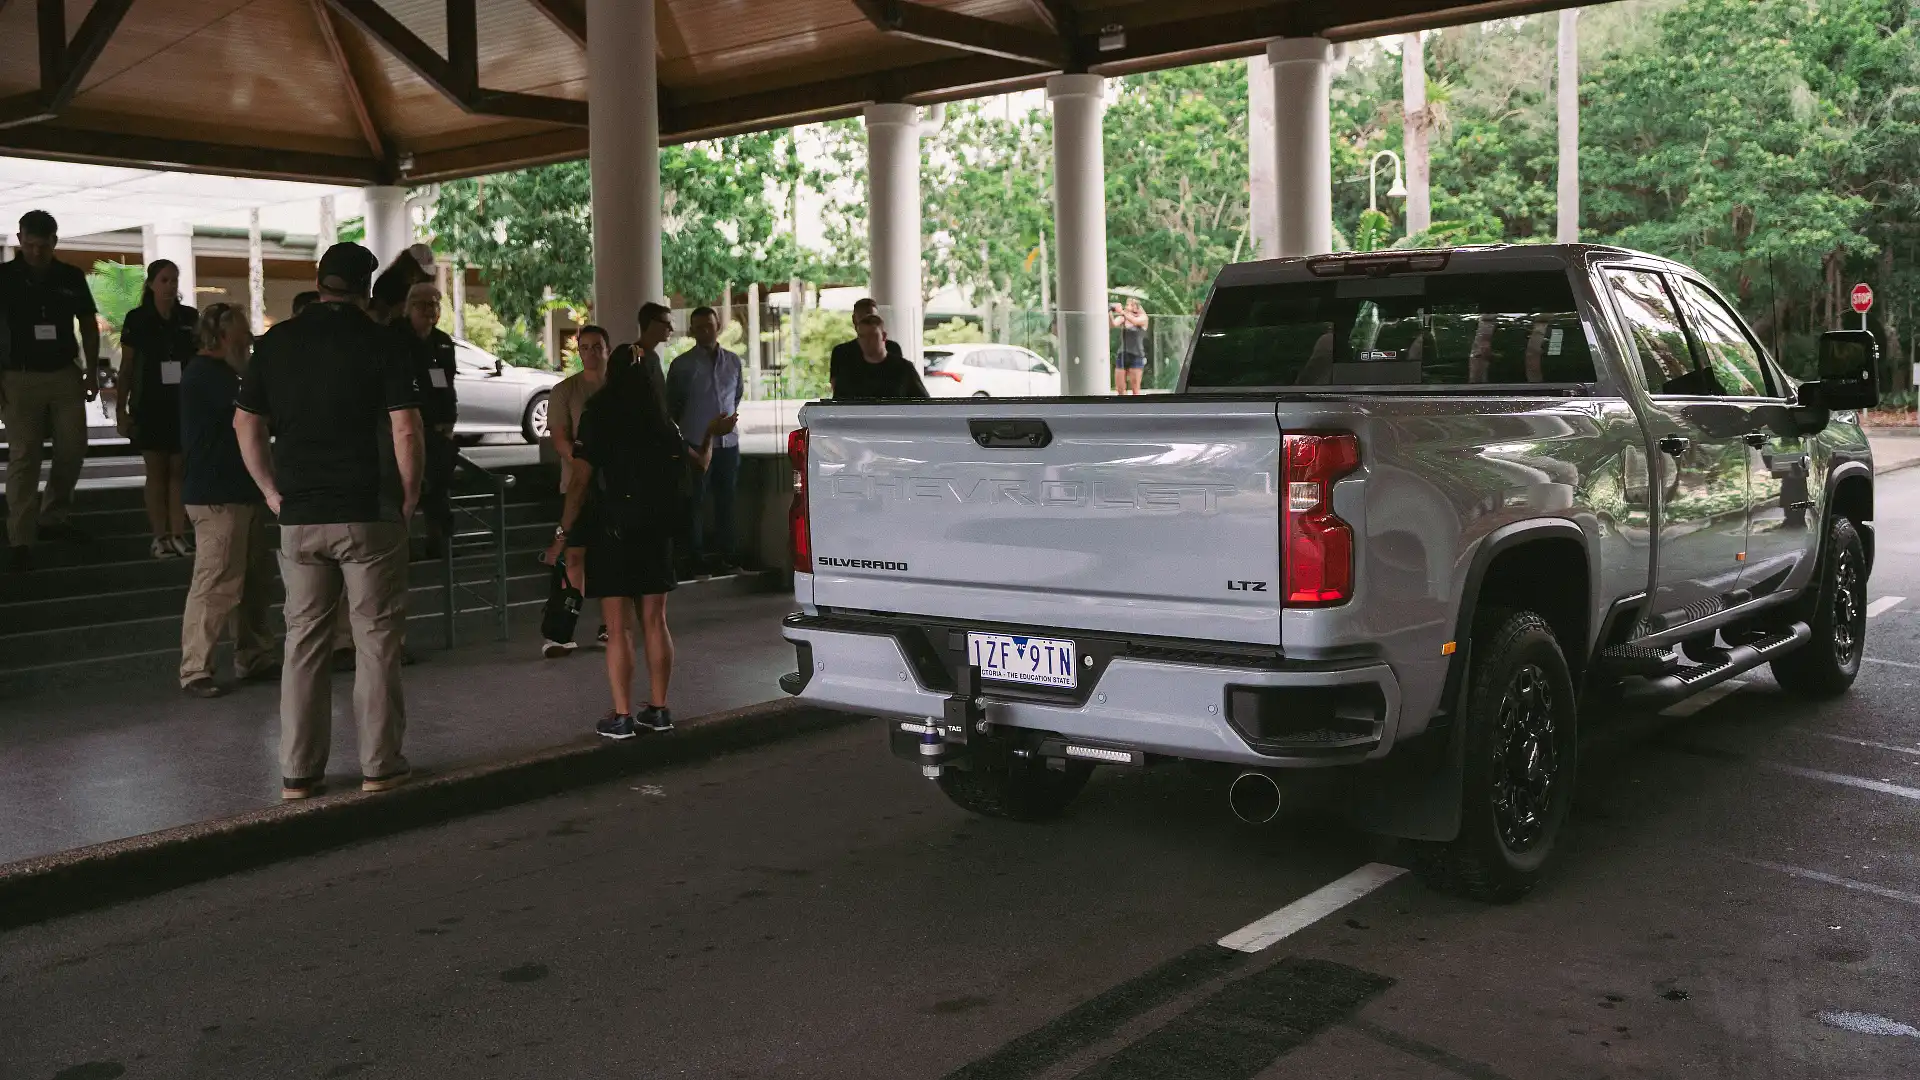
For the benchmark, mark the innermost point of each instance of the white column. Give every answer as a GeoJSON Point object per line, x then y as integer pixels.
{"type": "Point", "coordinates": [1262, 204]}
{"type": "Point", "coordinates": [893, 220]}
{"type": "Point", "coordinates": [149, 247]}
{"type": "Point", "coordinates": [1303, 155]}
{"type": "Point", "coordinates": [1415, 127]}
{"type": "Point", "coordinates": [753, 340]}
{"type": "Point", "coordinates": [623, 153]}
{"type": "Point", "coordinates": [1080, 231]}
{"type": "Point", "coordinates": [459, 300]}
{"type": "Point", "coordinates": [256, 275]}
{"type": "Point", "coordinates": [388, 231]}
{"type": "Point", "coordinates": [173, 240]}
{"type": "Point", "coordinates": [1568, 231]}
{"type": "Point", "coordinates": [329, 231]}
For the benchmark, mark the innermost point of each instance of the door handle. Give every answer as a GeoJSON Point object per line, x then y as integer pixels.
{"type": "Point", "coordinates": [1756, 439]}
{"type": "Point", "coordinates": [1674, 444]}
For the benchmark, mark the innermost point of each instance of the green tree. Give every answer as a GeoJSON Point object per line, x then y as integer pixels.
{"type": "Point", "coordinates": [116, 290]}
{"type": "Point", "coordinates": [1176, 160]}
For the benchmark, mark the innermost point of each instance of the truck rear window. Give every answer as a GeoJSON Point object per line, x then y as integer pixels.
{"type": "Point", "coordinates": [1402, 330]}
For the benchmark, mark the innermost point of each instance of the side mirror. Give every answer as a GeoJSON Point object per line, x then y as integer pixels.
{"type": "Point", "coordinates": [499, 367]}
{"type": "Point", "coordinates": [1849, 371]}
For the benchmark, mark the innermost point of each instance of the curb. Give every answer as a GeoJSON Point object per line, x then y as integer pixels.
{"type": "Point", "coordinates": [69, 882]}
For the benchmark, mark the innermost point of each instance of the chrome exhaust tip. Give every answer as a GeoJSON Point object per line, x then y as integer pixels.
{"type": "Point", "coordinates": [1254, 797]}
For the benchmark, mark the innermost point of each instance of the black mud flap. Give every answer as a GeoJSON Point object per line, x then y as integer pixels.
{"type": "Point", "coordinates": [1414, 792]}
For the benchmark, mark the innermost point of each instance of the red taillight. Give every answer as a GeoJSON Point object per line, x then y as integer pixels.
{"type": "Point", "coordinates": [1318, 555]}
{"type": "Point", "coordinates": [954, 375]}
{"type": "Point", "coordinates": [799, 532]}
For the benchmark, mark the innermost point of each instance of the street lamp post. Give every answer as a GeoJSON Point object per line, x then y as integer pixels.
{"type": "Point", "coordinates": [1399, 188]}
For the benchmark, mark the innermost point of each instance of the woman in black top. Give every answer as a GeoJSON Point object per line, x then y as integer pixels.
{"type": "Point", "coordinates": [627, 496]}
{"type": "Point", "coordinates": [156, 341]}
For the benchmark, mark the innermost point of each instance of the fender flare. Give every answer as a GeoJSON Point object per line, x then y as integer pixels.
{"type": "Point", "coordinates": [1415, 791]}
{"type": "Point", "coordinates": [1843, 471]}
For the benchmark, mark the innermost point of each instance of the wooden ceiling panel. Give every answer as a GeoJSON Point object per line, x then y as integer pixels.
{"type": "Point", "coordinates": [275, 75]}
{"type": "Point", "coordinates": [522, 50]}
{"type": "Point", "coordinates": [252, 87]}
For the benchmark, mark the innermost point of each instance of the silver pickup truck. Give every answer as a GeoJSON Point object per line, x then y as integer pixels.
{"type": "Point", "coordinates": [1410, 519]}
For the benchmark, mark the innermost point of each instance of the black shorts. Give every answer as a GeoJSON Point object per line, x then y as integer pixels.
{"type": "Point", "coordinates": [632, 564]}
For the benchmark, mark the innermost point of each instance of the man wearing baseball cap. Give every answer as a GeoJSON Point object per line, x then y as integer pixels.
{"type": "Point", "coordinates": [343, 475]}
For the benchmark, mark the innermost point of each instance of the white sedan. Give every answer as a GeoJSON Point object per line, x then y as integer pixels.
{"type": "Point", "coordinates": [987, 370]}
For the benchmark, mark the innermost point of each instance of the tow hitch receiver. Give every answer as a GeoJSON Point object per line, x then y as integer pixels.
{"type": "Point", "coordinates": [938, 741]}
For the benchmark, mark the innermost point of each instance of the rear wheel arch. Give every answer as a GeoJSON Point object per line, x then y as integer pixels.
{"type": "Point", "coordinates": [1543, 566]}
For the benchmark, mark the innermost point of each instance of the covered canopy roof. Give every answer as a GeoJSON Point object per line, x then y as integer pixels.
{"type": "Point", "coordinates": [407, 91]}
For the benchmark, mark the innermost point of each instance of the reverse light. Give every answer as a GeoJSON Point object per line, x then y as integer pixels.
{"type": "Point", "coordinates": [799, 527]}
{"type": "Point", "coordinates": [1317, 558]}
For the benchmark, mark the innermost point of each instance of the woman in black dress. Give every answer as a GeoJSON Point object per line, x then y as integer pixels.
{"type": "Point", "coordinates": [626, 498]}
{"type": "Point", "coordinates": [156, 341]}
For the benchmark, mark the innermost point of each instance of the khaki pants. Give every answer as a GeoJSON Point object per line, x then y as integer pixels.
{"type": "Point", "coordinates": [363, 566]}
{"type": "Point", "coordinates": [39, 405]}
{"type": "Point", "coordinates": [232, 577]}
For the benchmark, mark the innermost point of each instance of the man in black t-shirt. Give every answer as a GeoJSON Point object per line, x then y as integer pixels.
{"type": "Point", "coordinates": [343, 475]}
{"type": "Point", "coordinates": [877, 373]}
{"type": "Point", "coordinates": [847, 353]}
{"type": "Point", "coordinates": [43, 386]}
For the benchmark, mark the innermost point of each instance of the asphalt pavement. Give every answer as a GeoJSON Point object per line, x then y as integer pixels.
{"type": "Point", "coordinates": [1735, 898]}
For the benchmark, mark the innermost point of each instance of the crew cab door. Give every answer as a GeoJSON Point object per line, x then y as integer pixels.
{"type": "Point", "coordinates": [1779, 498]}
{"type": "Point", "coordinates": [1697, 470]}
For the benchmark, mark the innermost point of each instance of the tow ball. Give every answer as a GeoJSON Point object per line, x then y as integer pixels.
{"type": "Point", "coordinates": [939, 741]}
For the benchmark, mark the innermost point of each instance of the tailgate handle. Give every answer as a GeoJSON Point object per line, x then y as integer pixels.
{"type": "Point", "coordinates": [1010, 434]}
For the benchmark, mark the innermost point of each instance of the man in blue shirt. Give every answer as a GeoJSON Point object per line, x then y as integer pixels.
{"type": "Point", "coordinates": [703, 384]}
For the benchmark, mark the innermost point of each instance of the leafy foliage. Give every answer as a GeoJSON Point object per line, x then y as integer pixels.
{"type": "Point", "coordinates": [116, 290]}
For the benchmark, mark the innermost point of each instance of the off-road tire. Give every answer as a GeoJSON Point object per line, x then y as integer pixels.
{"type": "Point", "coordinates": [1826, 666]}
{"type": "Point", "coordinates": [1018, 789]}
{"type": "Point", "coordinates": [1514, 652]}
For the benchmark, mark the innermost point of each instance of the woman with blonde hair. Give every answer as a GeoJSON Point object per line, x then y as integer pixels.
{"type": "Point", "coordinates": [232, 561]}
{"type": "Point", "coordinates": [156, 340]}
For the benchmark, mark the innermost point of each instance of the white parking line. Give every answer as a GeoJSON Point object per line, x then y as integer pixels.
{"type": "Point", "coordinates": [1830, 879]}
{"type": "Point", "coordinates": [1311, 908]}
{"type": "Point", "coordinates": [1842, 778]}
{"type": "Point", "coordinates": [1914, 750]}
{"type": "Point", "coordinates": [1883, 605]}
{"type": "Point", "coordinates": [1892, 663]}
{"type": "Point", "coordinates": [1704, 698]}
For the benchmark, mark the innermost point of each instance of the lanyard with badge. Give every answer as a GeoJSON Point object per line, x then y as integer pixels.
{"type": "Point", "coordinates": [171, 369]}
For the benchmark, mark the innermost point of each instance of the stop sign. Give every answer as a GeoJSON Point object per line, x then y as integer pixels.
{"type": "Point", "coordinates": [1862, 298]}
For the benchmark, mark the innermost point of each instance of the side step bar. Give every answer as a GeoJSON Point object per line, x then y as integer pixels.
{"type": "Point", "coordinates": [1667, 689]}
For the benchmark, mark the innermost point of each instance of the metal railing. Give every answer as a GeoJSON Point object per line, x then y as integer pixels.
{"type": "Point", "coordinates": [475, 561]}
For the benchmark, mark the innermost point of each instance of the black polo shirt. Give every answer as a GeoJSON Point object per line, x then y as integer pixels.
{"type": "Point", "coordinates": [216, 473]}
{"type": "Point", "coordinates": [847, 353]}
{"type": "Point", "coordinates": [326, 380]}
{"type": "Point", "coordinates": [433, 370]}
{"type": "Point", "coordinates": [40, 311]}
{"type": "Point", "coordinates": [890, 378]}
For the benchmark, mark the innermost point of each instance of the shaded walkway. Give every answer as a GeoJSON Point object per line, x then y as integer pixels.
{"type": "Point", "coordinates": [109, 761]}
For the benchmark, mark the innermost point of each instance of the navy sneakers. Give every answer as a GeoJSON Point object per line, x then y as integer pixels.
{"type": "Point", "coordinates": [617, 726]}
{"type": "Point", "coordinates": [654, 719]}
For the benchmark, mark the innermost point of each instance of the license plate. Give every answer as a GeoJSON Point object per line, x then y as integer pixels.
{"type": "Point", "coordinates": [1038, 661]}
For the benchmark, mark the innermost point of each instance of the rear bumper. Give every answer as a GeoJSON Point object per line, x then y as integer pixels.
{"type": "Point", "coordinates": [1161, 707]}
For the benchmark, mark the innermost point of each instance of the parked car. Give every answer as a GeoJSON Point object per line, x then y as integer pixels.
{"type": "Point", "coordinates": [984, 370]}
{"type": "Point", "coordinates": [1408, 522]}
{"type": "Point", "coordinates": [497, 397]}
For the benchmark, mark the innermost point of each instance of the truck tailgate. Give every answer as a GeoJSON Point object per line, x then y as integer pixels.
{"type": "Point", "coordinates": [1157, 518]}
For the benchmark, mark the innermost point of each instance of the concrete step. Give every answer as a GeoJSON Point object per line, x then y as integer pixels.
{"type": "Point", "coordinates": [158, 662]}
{"type": "Point", "coordinates": [135, 569]}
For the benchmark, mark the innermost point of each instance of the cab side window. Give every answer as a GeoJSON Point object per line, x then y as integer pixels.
{"type": "Point", "coordinates": [1653, 322]}
{"type": "Point", "coordinates": [1729, 354]}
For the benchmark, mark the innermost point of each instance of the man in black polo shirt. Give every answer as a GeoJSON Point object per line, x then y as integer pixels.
{"type": "Point", "coordinates": [43, 388]}
{"type": "Point", "coordinates": [847, 354]}
{"type": "Point", "coordinates": [344, 473]}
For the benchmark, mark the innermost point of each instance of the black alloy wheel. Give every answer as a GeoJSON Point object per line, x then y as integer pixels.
{"type": "Point", "coordinates": [1526, 761]}
{"type": "Point", "coordinates": [1835, 609]}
